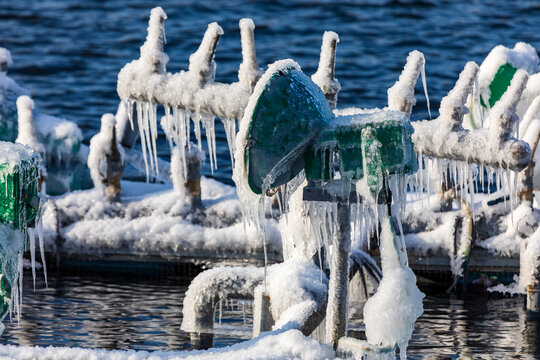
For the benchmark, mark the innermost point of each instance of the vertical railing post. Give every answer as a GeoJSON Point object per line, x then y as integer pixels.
{"type": "Point", "coordinates": [193, 178]}
{"type": "Point", "coordinates": [336, 310]}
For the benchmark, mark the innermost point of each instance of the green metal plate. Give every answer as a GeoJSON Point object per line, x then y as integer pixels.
{"type": "Point", "coordinates": [19, 199]}
{"type": "Point", "coordinates": [391, 129]}
{"type": "Point", "coordinates": [288, 116]}
{"type": "Point", "coordinates": [500, 83]}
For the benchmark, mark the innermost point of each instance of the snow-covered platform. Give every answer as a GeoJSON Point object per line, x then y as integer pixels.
{"type": "Point", "coordinates": [153, 227]}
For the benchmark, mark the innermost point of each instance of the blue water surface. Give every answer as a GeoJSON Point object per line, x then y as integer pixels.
{"type": "Point", "coordinates": [68, 54]}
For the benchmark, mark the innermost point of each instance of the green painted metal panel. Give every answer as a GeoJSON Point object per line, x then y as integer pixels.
{"type": "Point", "coordinates": [287, 118]}
{"type": "Point", "coordinates": [391, 129]}
{"type": "Point", "coordinates": [19, 199]}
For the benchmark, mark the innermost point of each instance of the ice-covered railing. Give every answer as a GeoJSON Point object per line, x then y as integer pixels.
{"type": "Point", "coordinates": [453, 156]}
{"type": "Point", "coordinates": [445, 136]}
{"type": "Point", "coordinates": [191, 95]}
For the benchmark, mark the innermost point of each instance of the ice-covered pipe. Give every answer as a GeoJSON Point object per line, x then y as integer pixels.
{"type": "Point", "coordinates": [525, 177]}
{"type": "Point", "coordinates": [209, 287]}
{"type": "Point", "coordinates": [444, 137]}
{"type": "Point", "coordinates": [249, 71]}
{"type": "Point", "coordinates": [401, 94]}
{"type": "Point", "coordinates": [453, 107]}
{"type": "Point", "coordinates": [336, 310]}
{"type": "Point", "coordinates": [106, 160]}
{"type": "Point", "coordinates": [325, 75]}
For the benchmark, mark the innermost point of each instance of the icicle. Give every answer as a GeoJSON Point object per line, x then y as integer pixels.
{"type": "Point", "coordinates": [208, 124]}
{"type": "Point", "coordinates": [20, 274]}
{"type": "Point", "coordinates": [32, 241]}
{"type": "Point", "coordinates": [230, 132]}
{"type": "Point", "coordinates": [42, 249]}
{"type": "Point", "coordinates": [142, 135]}
{"type": "Point", "coordinates": [220, 310]}
{"type": "Point", "coordinates": [196, 117]}
{"type": "Point", "coordinates": [423, 74]}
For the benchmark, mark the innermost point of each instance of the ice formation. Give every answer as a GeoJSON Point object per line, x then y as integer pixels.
{"type": "Point", "coordinates": [294, 287]}
{"type": "Point", "coordinates": [390, 314]}
{"type": "Point", "coordinates": [401, 94]}
{"type": "Point", "coordinates": [14, 239]}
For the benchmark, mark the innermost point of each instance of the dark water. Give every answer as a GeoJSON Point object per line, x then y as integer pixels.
{"type": "Point", "coordinates": [110, 311]}
{"type": "Point", "coordinates": [68, 52]}
{"type": "Point", "coordinates": [145, 313]}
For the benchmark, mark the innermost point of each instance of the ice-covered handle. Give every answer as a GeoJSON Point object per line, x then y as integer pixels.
{"type": "Point", "coordinates": [152, 49]}
{"type": "Point", "coordinates": [453, 106]}
{"type": "Point", "coordinates": [401, 94]}
{"type": "Point", "coordinates": [201, 62]}
{"type": "Point", "coordinates": [248, 72]}
{"type": "Point", "coordinates": [325, 75]}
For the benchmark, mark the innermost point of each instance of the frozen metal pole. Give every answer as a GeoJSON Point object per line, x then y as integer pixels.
{"type": "Point", "coordinates": [325, 75]}
{"type": "Point", "coordinates": [336, 310]}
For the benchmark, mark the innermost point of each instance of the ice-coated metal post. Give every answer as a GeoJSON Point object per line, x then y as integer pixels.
{"type": "Point", "coordinates": [201, 62]}
{"type": "Point", "coordinates": [248, 72]}
{"type": "Point", "coordinates": [401, 94]}
{"type": "Point", "coordinates": [324, 77]}
{"type": "Point", "coordinates": [336, 311]}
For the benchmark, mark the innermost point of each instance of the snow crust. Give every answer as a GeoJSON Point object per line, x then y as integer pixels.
{"type": "Point", "coordinates": [13, 154]}
{"type": "Point", "coordinates": [153, 219]}
{"type": "Point", "coordinates": [275, 345]}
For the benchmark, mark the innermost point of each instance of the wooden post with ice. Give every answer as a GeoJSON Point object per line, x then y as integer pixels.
{"type": "Point", "coordinates": [106, 160]}
{"type": "Point", "coordinates": [186, 173]}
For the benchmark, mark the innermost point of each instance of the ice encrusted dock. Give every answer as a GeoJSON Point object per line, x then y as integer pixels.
{"type": "Point", "coordinates": [153, 223]}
